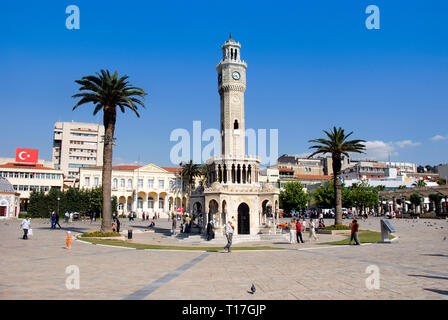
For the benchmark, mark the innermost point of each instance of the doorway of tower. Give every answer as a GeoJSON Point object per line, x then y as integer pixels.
{"type": "Point", "coordinates": [243, 219]}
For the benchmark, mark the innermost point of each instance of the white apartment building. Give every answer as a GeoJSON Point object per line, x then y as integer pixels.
{"type": "Point", "coordinates": [28, 177]}
{"type": "Point", "coordinates": [139, 189]}
{"type": "Point", "coordinates": [77, 145]}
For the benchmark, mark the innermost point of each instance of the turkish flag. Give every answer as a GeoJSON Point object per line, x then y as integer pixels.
{"type": "Point", "coordinates": [27, 155]}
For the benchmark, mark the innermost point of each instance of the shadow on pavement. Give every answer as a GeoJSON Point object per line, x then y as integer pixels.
{"type": "Point", "coordinates": [431, 277]}
{"type": "Point", "coordinates": [435, 255]}
{"type": "Point", "coordinates": [444, 292]}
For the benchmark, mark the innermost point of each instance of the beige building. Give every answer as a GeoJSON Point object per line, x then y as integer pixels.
{"type": "Point", "coordinates": [28, 177]}
{"type": "Point", "coordinates": [148, 188]}
{"type": "Point", "coordinates": [77, 145]}
{"type": "Point", "coordinates": [233, 188]}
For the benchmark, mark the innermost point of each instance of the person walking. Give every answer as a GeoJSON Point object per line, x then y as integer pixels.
{"type": "Point", "coordinates": [94, 216]}
{"type": "Point", "coordinates": [292, 231]}
{"type": "Point", "coordinates": [210, 232]}
{"type": "Point", "coordinates": [53, 220]}
{"type": "Point", "coordinates": [354, 225]}
{"type": "Point", "coordinates": [299, 231]}
{"type": "Point", "coordinates": [71, 217]}
{"type": "Point", "coordinates": [56, 222]}
{"type": "Point", "coordinates": [67, 216]}
{"type": "Point", "coordinates": [143, 216]}
{"type": "Point", "coordinates": [173, 226]}
{"type": "Point", "coordinates": [25, 226]}
{"type": "Point", "coordinates": [312, 227]}
{"type": "Point", "coordinates": [229, 235]}
{"type": "Point", "coordinates": [117, 222]}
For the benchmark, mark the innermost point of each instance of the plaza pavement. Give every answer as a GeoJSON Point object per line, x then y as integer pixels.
{"type": "Point", "coordinates": [413, 268]}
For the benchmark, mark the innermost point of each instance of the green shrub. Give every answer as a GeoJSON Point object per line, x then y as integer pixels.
{"type": "Point", "coordinates": [98, 233]}
{"type": "Point", "coordinates": [337, 227]}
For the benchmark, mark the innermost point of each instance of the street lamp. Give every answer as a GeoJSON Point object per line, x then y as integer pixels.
{"type": "Point", "coordinates": [58, 205]}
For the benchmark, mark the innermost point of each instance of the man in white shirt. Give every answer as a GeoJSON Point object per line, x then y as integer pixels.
{"type": "Point", "coordinates": [229, 235]}
{"type": "Point", "coordinates": [312, 232]}
{"type": "Point", "coordinates": [25, 226]}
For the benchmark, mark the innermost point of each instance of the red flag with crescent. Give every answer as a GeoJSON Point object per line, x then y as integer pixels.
{"type": "Point", "coordinates": [27, 155]}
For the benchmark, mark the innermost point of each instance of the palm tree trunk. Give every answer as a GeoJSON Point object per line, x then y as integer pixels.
{"type": "Point", "coordinates": [109, 124]}
{"type": "Point", "coordinates": [337, 188]}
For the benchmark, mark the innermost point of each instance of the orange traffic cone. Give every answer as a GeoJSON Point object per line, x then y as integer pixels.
{"type": "Point", "coordinates": [68, 240]}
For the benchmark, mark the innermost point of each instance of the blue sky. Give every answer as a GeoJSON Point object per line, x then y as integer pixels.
{"type": "Point", "coordinates": [311, 65]}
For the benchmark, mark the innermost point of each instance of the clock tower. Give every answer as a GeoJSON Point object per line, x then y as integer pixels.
{"type": "Point", "coordinates": [231, 87]}
{"type": "Point", "coordinates": [232, 191]}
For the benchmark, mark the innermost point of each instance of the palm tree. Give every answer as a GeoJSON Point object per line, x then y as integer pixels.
{"type": "Point", "coordinates": [419, 184]}
{"type": "Point", "coordinates": [203, 174]}
{"type": "Point", "coordinates": [337, 145]}
{"type": "Point", "coordinates": [190, 171]}
{"type": "Point", "coordinates": [107, 92]}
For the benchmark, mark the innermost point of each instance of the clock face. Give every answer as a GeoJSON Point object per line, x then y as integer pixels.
{"type": "Point", "coordinates": [236, 75]}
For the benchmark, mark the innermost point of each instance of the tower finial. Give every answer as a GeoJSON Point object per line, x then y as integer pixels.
{"type": "Point", "coordinates": [230, 35]}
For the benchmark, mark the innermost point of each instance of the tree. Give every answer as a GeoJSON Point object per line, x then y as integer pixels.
{"type": "Point", "coordinates": [364, 196]}
{"type": "Point", "coordinates": [107, 92]}
{"type": "Point", "coordinates": [337, 145]}
{"type": "Point", "coordinates": [402, 187]}
{"type": "Point", "coordinates": [436, 198]}
{"type": "Point", "coordinates": [419, 184]}
{"type": "Point", "coordinates": [190, 171]}
{"type": "Point", "coordinates": [441, 181]}
{"type": "Point", "coordinates": [324, 196]}
{"type": "Point", "coordinates": [415, 200]}
{"type": "Point", "coordinates": [294, 197]}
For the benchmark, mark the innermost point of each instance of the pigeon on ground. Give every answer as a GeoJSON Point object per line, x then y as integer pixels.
{"type": "Point", "coordinates": [444, 238]}
{"type": "Point", "coordinates": [253, 289]}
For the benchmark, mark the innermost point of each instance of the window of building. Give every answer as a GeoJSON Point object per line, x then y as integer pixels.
{"type": "Point", "coordinates": [122, 183]}
{"type": "Point", "coordinates": [161, 184]}
{"type": "Point", "coordinates": [115, 183]}
{"type": "Point", "coordinates": [161, 203]}
{"type": "Point", "coordinates": [150, 203]}
{"type": "Point", "coordinates": [151, 183]}
{"type": "Point", "coordinates": [22, 174]}
{"type": "Point", "coordinates": [129, 183]}
{"type": "Point", "coordinates": [11, 174]}
{"type": "Point", "coordinates": [139, 203]}
{"type": "Point", "coordinates": [87, 181]}
{"type": "Point", "coordinates": [96, 181]}
{"type": "Point", "coordinates": [20, 188]}
{"type": "Point", "coordinates": [16, 174]}
{"type": "Point", "coordinates": [140, 183]}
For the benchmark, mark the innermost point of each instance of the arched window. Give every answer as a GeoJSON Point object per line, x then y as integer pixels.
{"type": "Point", "coordinates": [115, 183]}
{"type": "Point", "coordinates": [235, 125]}
{"type": "Point", "coordinates": [238, 174]}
